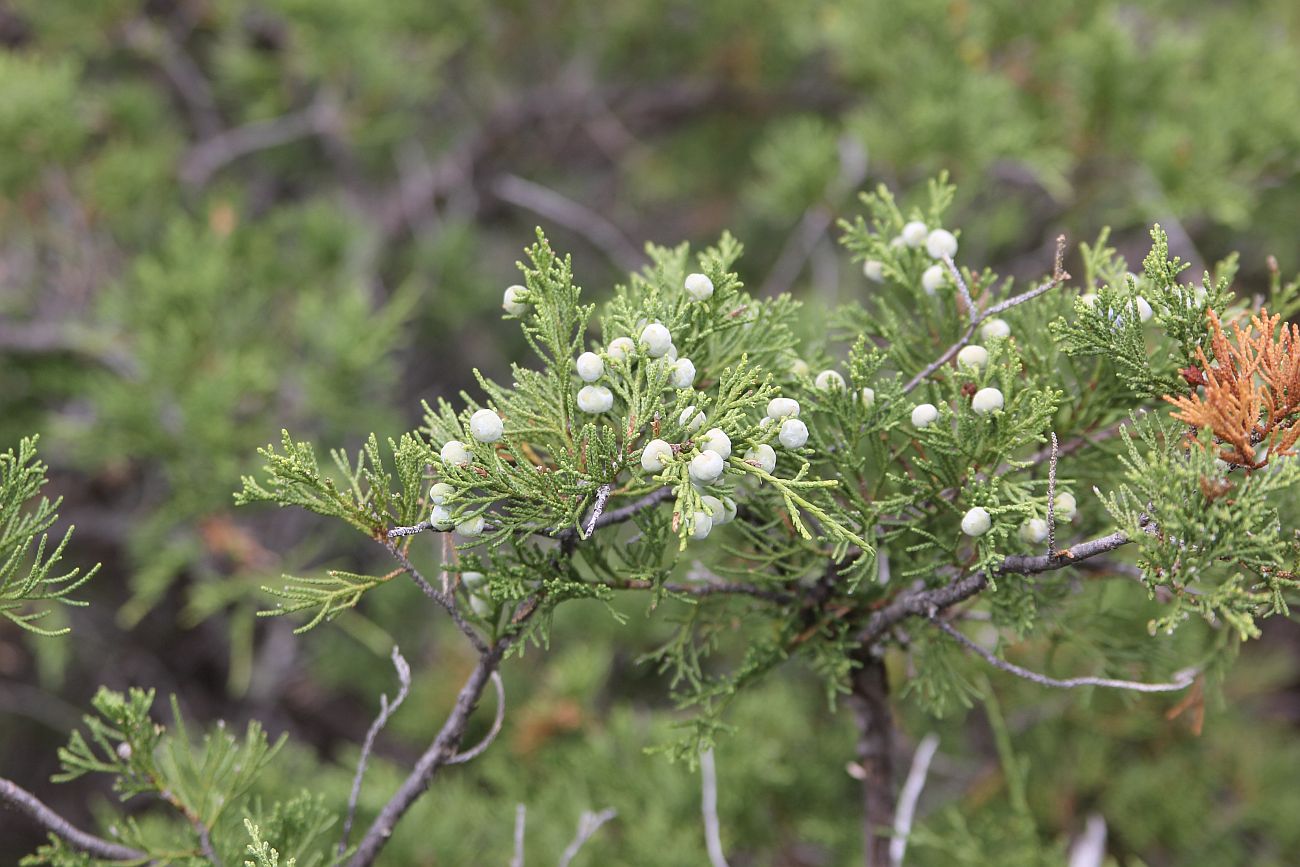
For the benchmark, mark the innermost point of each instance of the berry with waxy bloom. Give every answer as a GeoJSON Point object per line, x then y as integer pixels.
{"type": "Point", "coordinates": [589, 366]}
{"type": "Point", "coordinates": [782, 407]}
{"type": "Point", "coordinates": [683, 375]}
{"type": "Point", "coordinates": [455, 453]}
{"type": "Point", "coordinates": [486, 426]}
{"type": "Point", "coordinates": [701, 526]}
{"type": "Point", "coordinates": [713, 506]}
{"type": "Point", "coordinates": [653, 456]}
{"type": "Point", "coordinates": [987, 400]}
{"type": "Point", "coordinates": [976, 522]}
{"type": "Point", "coordinates": [1144, 309]}
{"type": "Point", "coordinates": [924, 415]}
{"type": "Point", "coordinates": [728, 512]}
{"type": "Point", "coordinates": [941, 243]}
{"type": "Point", "coordinates": [763, 455]}
{"type": "Point", "coordinates": [705, 467]}
{"type": "Point", "coordinates": [794, 433]}
{"type": "Point", "coordinates": [1034, 530]}
{"type": "Point", "coordinates": [690, 419]}
{"type": "Point", "coordinates": [472, 581]}
{"type": "Point", "coordinates": [655, 339]}
{"type": "Point", "coordinates": [471, 527]}
{"type": "Point", "coordinates": [933, 279]}
{"type": "Point", "coordinates": [975, 356]}
{"type": "Point", "coordinates": [595, 399]}
{"type": "Point", "coordinates": [514, 300]}
{"type": "Point", "coordinates": [874, 270]}
{"type": "Point", "coordinates": [621, 348]}
{"type": "Point", "coordinates": [671, 354]}
{"type": "Point", "coordinates": [1065, 506]}
{"type": "Point", "coordinates": [915, 233]}
{"type": "Point", "coordinates": [699, 287]}
{"type": "Point", "coordinates": [441, 493]}
{"type": "Point", "coordinates": [829, 380]}
{"type": "Point", "coordinates": [480, 606]}
{"type": "Point", "coordinates": [994, 329]}
{"type": "Point", "coordinates": [1089, 299]}
{"type": "Point", "coordinates": [867, 396]}
{"type": "Point", "coordinates": [716, 440]}
{"type": "Point", "coordinates": [440, 518]}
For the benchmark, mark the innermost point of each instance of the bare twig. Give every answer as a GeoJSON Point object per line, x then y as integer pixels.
{"type": "Point", "coordinates": [1089, 848]}
{"type": "Point", "coordinates": [32, 807]}
{"type": "Point", "coordinates": [709, 807]}
{"type": "Point", "coordinates": [1059, 276]}
{"type": "Point", "coordinates": [1182, 679]}
{"type": "Point", "coordinates": [49, 338]}
{"type": "Point", "coordinates": [447, 602]}
{"type": "Point", "coordinates": [399, 532]}
{"type": "Point", "coordinates": [602, 497]}
{"type": "Point", "coordinates": [1051, 499]}
{"type": "Point", "coordinates": [711, 588]}
{"type": "Point", "coordinates": [437, 755]}
{"type": "Point", "coordinates": [219, 150]}
{"type": "Point", "coordinates": [546, 202]}
{"type": "Point", "coordinates": [521, 817]}
{"type": "Point", "coordinates": [588, 825]}
{"type": "Point", "coordinates": [962, 289]}
{"type": "Point", "coordinates": [386, 710]}
{"type": "Point", "coordinates": [481, 747]}
{"type": "Point", "coordinates": [911, 793]}
{"type": "Point", "coordinates": [205, 843]}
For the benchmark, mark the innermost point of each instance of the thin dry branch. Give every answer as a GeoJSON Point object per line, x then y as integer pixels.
{"type": "Point", "coordinates": [1182, 679]}
{"type": "Point", "coordinates": [481, 747]}
{"type": "Point", "coordinates": [386, 710]}
{"type": "Point", "coordinates": [30, 806]}
{"type": "Point", "coordinates": [910, 794]}
{"type": "Point", "coordinates": [596, 229]}
{"type": "Point", "coordinates": [709, 808]}
{"type": "Point", "coordinates": [588, 825]}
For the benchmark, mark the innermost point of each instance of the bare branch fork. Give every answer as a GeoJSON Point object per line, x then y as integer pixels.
{"type": "Point", "coordinates": [588, 825]}
{"type": "Point", "coordinates": [709, 807]}
{"type": "Point", "coordinates": [386, 710]}
{"type": "Point", "coordinates": [33, 808]}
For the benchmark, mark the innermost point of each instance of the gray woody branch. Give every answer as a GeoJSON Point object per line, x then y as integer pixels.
{"type": "Point", "coordinates": [32, 807]}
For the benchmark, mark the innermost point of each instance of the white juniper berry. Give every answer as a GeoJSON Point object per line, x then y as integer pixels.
{"type": "Point", "coordinates": [701, 525]}
{"type": "Point", "coordinates": [1033, 531]}
{"type": "Point", "coordinates": [653, 456]}
{"type": "Point", "coordinates": [595, 399]}
{"type": "Point", "coordinates": [914, 233]}
{"type": "Point", "coordinates": [782, 407]}
{"type": "Point", "coordinates": [874, 270]}
{"type": "Point", "coordinates": [1064, 506]}
{"type": "Point", "coordinates": [655, 339]}
{"type": "Point", "coordinates": [441, 493]}
{"type": "Point", "coordinates": [976, 521]}
{"type": "Point", "coordinates": [867, 396]}
{"type": "Point", "coordinates": [941, 243]}
{"type": "Point", "coordinates": [514, 300]}
{"type": "Point", "coordinates": [924, 415]}
{"type": "Point", "coordinates": [589, 366]}
{"type": "Point", "coordinates": [974, 355]}
{"type": "Point", "coordinates": [486, 426]}
{"type": "Point", "coordinates": [829, 380]}
{"type": "Point", "coordinates": [987, 400]}
{"type": "Point", "coordinates": [995, 329]}
{"type": "Point", "coordinates": [763, 456]}
{"type": "Point", "coordinates": [621, 348]}
{"type": "Point", "coordinates": [440, 518]}
{"type": "Point", "coordinates": [934, 278]}
{"type": "Point", "coordinates": [794, 433]}
{"type": "Point", "coordinates": [456, 454]}
{"type": "Point", "coordinates": [471, 527]}
{"type": "Point", "coordinates": [716, 440]}
{"type": "Point", "coordinates": [706, 467]}
{"type": "Point", "coordinates": [699, 287]}
{"type": "Point", "coordinates": [691, 420]}
{"type": "Point", "coordinates": [683, 373]}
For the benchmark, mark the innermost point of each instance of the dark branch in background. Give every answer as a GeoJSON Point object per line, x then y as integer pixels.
{"type": "Point", "coordinates": [869, 700]}
{"type": "Point", "coordinates": [1059, 276]}
{"type": "Point", "coordinates": [563, 211]}
{"type": "Point", "coordinates": [48, 338]}
{"type": "Point", "coordinates": [386, 710]}
{"type": "Point", "coordinates": [31, 806]}
{"type": "Point", "coordinates": [1182, 679]}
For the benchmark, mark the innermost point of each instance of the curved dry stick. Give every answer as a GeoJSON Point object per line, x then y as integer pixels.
{"type": "Point", "coordinates": [478, 749]}
{"type": "Point", "coordinates": [588, 825]}
{"type": "Point", "coordinates": [908, 797]}
{"type": "Point", "coordinates": [32, 807]}
{"type": "Point", "coordinates": [1182, 679]}
{"type": "Point", "coordinates": [709, 807]}
{"type": "Point", "coordinates": [386, 710]}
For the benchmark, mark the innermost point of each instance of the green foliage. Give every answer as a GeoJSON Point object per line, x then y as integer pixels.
{"type": "Point", "coordinates": [27, 576]}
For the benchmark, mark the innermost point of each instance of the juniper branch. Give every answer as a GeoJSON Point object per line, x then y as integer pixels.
{"type": "Point", "coordinates": [32, 807]}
